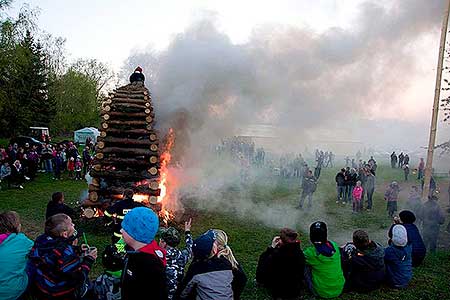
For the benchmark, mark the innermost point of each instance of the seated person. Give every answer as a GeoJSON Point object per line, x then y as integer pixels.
{"type": "Point", "coordinates": [14, 249]}
{"type": "Point", "coordinates": [57, 268]}
{"type": "Point", "coordinates": [281, 267]}
{"type": "Point", "coordinates": [363, 263]}
{"type": "Point", "coordinates": [57, 206]}
{"type": "Point", "coordinates": [323, 273]}
{"type": "Point", "coordinates": [397, 258]}
{"type": "Point", "coordinates": [407, 219]}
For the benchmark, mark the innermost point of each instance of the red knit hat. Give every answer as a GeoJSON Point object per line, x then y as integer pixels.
{"type": "Point", "coordinates": [138, 69]}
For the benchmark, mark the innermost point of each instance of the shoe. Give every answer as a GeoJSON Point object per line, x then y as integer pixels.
{"type": "Point", "coordinates": [343, 202]}
{"type": "Point", "coordinates": [20, 187]}
{"type": "Point", "coordinates": [27, 178]}
{"type": "Point", "coordinates": [337, 202]}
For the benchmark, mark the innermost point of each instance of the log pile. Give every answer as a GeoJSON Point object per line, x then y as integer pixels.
{"type": "Point", "coordinates": [127, 152]}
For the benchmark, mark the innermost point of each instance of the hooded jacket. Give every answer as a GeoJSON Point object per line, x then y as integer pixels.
{"type": "Point", "coordinates": [398, 263]}
{"type": "Point", "coordinates": [415, 240]}
{"type": "Point", "coordinates": [14, 249]}
{"type": "Point", "coordinates": [365, 268]}
{"type": "Point", "coordinates": [281, 270]}
{"type": "Point", "coordinates": [176, 261]}
{"type": "Point", "coordinates": [143, 276]}
{"type": "Point", "coordinates": [327, 277]}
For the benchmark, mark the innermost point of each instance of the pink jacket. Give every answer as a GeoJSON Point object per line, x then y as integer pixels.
{"type": "Point", "coordinates": [357, 192]}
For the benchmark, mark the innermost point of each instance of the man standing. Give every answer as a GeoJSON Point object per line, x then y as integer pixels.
{"type": "Point", "coordinates": [309, 186]}
{"type": "Point", "coordinates": [86, 160]}
{"type": "Point", "coordinates": [433, 218]}
{"type": "Point", "coordinates": [393, 160]}
{"type": "Point", "coordinates": [401, 157]}
{"type": "Point", "coordinates": [421, 169]}
{"type": "Point", "coordinates": [370, 188]}
{"type": "Point", "coordinates": [340, 185]}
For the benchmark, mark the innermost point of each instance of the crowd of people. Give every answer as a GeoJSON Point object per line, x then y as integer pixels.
{"type": "Point", "coordinates": [20, 164]}
{"type": "Point", "coordinates": [58, 263]}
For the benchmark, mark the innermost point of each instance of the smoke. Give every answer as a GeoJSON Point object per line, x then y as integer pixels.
{"type": "Point", "coordinates": [298, 80]}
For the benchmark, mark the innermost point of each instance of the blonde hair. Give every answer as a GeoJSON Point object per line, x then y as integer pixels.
{"type": "Point", "coordinates": [223, 248]}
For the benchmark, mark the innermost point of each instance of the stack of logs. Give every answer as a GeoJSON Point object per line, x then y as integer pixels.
{"type": "Point", "coordinates": [127, 152]}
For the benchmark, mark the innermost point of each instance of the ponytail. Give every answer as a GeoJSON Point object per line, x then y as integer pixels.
{"type": "Point", "coordinates": [224, 249]}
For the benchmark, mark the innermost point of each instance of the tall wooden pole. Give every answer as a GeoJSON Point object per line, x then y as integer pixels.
{"type": "Point", "coordinates": [434, 117]}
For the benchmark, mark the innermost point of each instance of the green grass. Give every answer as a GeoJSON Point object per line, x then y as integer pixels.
{"type": "Point", "coordinates": [249, 231]}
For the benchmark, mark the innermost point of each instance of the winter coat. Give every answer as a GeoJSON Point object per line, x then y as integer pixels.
{"type": "Point", "coordinates": [340, 179]}
{"type": "Point", "coordinates": [391, 194]}
{"type": "Point", "coordinates": [419, 250]}
{"type": "Point", "coordinates": [14, 249]}
{"type": "Point", "coordinates": [309, 184]}
{"type": "Point", "coordinates": [357, 193]}
{"type": "Point", "coordinates": [398, 263]}
{"type": "Point", "coordinates": [5, 171]}
{"type": "Point", "coordinates": [144, 275]}
{"type": "Point", "coordinates": [281, 270]}
{"type": "Point", "coordinates": [58, 208]}
{"type": "Point", "coordinates": [176, 261]}
{"type": "Point", "coordinates": [327, 277]}
{"type": "Point", "coordinates": [365, 268]}
{"type": "Point", "coordinates": [56, 268]}
{"type": "Point", "coordinates": [208, 279]}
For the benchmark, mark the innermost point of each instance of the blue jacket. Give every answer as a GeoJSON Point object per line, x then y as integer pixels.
{"type": "Point", "coordinates": [398, 263]}
{"type": "Point", "coordinates": [13, 259]}
{"type": "Point", "coordinates": [415, 240]}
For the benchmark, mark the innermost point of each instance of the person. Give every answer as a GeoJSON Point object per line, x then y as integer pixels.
{"type": "Point", "coordinates": [351, 179]}
{"type": "Point", "coordinates": [370, 188]}
{"type": "Point", "coordinates": [433, 218]}
{"type": "Point", "coordinates": [5, 172]}
{"type": "Point", "coordinates": [71, 167]}
{"type": "Point", "coordinates": [340, 185]}
{"type": "Point", "coordinates": [137, 75]}
{"type": "Point", "coordinates": [281, 267]}
{"type": "Point", "coordinates": [397, 258]}
{"type": "Point", "coordinates": [414, 202]}
{"type": "Point", "coordinates": [401, 157]}
{"type": "Point", "coordinates": [78, 169]}
{"type": "Point", "coordinates": [208, 276]}
{"type": "Point", "coordinates": [86, 159]}
{"type": "Point", "coordinates": [393, 160]}
{"type": "Point", "coordinates": [57, 166]}
{"type": "Point", "coordinates": [224, 250]}
{"type": "Point", "coordinates": [144, 267]}
{"type": "Point", "coordinates": [406, 159]}
{"type": "Point", "coordinates": [363, 263]}
{"type": "Point", "coordinates": [432, 185]}
{"type": "Point", "coordinates": [17, 175]}
{"type": "Point", "coordinates": [57, 268]}
{"type": "Point", "coordinates": [14, 249]}
{"type": "Point", "coordinates": [347, 161]}
{"type": "Point", "coordinates": [115, 213]}
{"type": "Point", "coordinates": [371, 161]}
{"type": "Point", "coordinates": [323, 272]}
{"type": "Point", "coordinates": [391, 196]}
{"type": "Point", "coordinates": [420, 169]}
{"type": "Point", "coordinates": [406, 171]}
{"type": "Point", "coordinates": [357, 193]}
{"type": "Point", "coordinates": [57, 206]}
{"type": "Point", "coordinates": [309, 185]}
{"type": "Point", "coordinates": [407, 219]}
{"type": "Point", "coordinates": [176, 258]}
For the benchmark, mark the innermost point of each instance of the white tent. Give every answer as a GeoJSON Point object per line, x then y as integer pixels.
{"type": "Point", "coordinates": [80, 135]}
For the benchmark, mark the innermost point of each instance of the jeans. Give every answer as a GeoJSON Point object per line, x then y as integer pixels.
{"type": "Point", "coordinates": [348, 193]}
{"type": "Point", "coordinates": [369, 198]}
{"type": "Point", "coordinates": [302, 199]}
{"type": "Point", "coordinates": [419, 174]}
{"type": "Point", "coordinates": [48, 166]}
{"type": "Point", "coordinates": [340, 192]}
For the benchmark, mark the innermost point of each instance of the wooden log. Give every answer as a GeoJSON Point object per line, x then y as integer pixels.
{"type": "Point", "coordinates": [103, 134]}
{"type": "Point", "coordinates": [96, 181]}
{"type": "Point", "coordinates": [128, 141]}
{"type": "Point", "coordinates": [131, 95]}
{"type": "Point", "coordinates": [129, 105]}
{"type": "Point", "coordinates": [107, 108]}
{"type": "Point", "coordinates": [153, 137]}
{"type": "Point", "coordinates": [118, 174]}
{"type": "Point", "coordinates": [138, 132]}
{"type": "Point", "coordinates": [135, 101]}
{"type": "Point", "coordinates": [99, 155]}
{"type": "Point", "coordinates": [153, 200]}
{"type": "Point", "coordinates": [105, 125]}
{"type": "Point", "coordinates": [131, 114]}
{"type": "Point", "coordinates": [101, 145]}
{"type": "Point", "coordinates": [120, 122]}
{"type": "Point", "coordinates": [154, 185]}
{"type": "Point", "coordinates": [144, 91]}
{"type": "Point", "coordinates": [149, 119]}
{"type": "Point", "coordinates": [153, 171]}
{"type": "Point", "coordinates": [153, 159]}
{"type": "Point", "coordinates": [131, 151]}
{"type": "Point", "coordinates": [96, 167]}
{"type": "Point", "coordinates": [154, 147]}
{"type": "Point", "coordinates": [92, 187]}
{"type": "Point", "coordinates": [93, 196]}
{"type": "Point", "coordinates": [119, 161]}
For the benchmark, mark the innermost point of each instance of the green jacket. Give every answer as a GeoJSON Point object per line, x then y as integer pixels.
{"type": "Point", "coordinates": [327, 277]}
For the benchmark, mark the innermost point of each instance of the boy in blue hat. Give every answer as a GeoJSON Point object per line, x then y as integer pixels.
{"type": "Point", "coordinates": [144, 273]}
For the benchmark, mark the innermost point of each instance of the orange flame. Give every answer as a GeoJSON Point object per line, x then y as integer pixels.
{"type": "Point", "coordinates": [164, 173]}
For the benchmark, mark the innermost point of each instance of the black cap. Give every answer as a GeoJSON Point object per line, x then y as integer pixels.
{"type": "Point", "coordinates": [407, 217]}
{"type": "Point", "coordinates": [318, 232]}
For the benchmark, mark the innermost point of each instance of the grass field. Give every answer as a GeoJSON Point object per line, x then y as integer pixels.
{"type": "Point", "coordinates": [252, 214]}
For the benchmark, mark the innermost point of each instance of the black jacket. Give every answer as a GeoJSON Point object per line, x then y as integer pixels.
{"type": "Point", "coordinates": [58, 208]}
{"type": "Point", "coordinates": [340, 179]}
{"type": "Point", "coordinates": [364, 270]}
{"type": "Point", "coordinates": [281, 270]}
{"type": "Point", "coordinates": [143, 277]}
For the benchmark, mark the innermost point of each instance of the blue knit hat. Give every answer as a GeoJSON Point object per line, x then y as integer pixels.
{"type": "Point", "coordinates": [203, 245]}
{"type": "Point", "coordinates": [141, 223]}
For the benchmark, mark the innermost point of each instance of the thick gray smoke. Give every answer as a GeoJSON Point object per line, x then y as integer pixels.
{"type": "Point", "coordinates": [293, 78]}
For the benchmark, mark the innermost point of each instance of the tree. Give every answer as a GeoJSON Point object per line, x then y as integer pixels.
{"type": "Point", "coordinates": [95, 71]}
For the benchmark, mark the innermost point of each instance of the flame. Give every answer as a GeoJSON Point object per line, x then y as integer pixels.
{"type": "Point", "coordinates": [164, 173]}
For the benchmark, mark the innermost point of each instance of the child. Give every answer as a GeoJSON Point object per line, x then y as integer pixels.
{"type": "Point", "coordinates": [208, 276]}
{"type": "Point", "coordinates": [357, 195]}
{"type": "Point", "coordinates": [224, 250]}
{"type": "Point", "coordinates": [56, 206]}
{"type": "Point", "coordinates": [58, 165]}
{"type": "Point", "coordinates": [391, 196]}
{"type": "Point", "coordinates": [323, 274]}
{"type": "Point", "coordinates": [406, 171]}
{"type": "Point", "coordinates": [78, 168]}
{"type": "Point", "coordinates": [71, 167]}
{"type": "Point", "coordinates": [144, 272]}
{"type": "Point", "coordinates": [14, 249]}
{"type": "Point", "coordinates": [397, 258]}
{"type": "Point", "coordinates": [58, 269]}
{"type": "Point", "coordinates": [176, 259]}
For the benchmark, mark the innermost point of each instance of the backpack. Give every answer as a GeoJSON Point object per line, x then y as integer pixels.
{"type": "Point", "coordinates": [107, 287]}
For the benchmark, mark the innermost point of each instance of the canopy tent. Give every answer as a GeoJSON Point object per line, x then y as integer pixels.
{"type": "Point", "coordinates": [80, 135]}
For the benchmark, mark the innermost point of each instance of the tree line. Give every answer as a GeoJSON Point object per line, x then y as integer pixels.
{"type": "Point", "coordinates": [38, 85]}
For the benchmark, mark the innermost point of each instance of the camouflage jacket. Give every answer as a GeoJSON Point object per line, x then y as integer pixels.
{"type": "Point", "coordinates": [176, 261]}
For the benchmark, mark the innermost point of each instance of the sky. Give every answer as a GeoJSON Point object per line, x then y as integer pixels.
{"type": "Point", "coordinates": [381, 40]}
